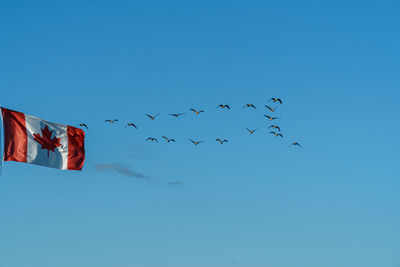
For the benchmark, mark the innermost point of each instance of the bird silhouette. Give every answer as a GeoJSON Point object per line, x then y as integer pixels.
{"type": "Point", "coordinates": [274, 127]}
{"type": "Point", "coordinates": [168, 140]}
{"type": "Point", "coordinates": [276, 134]}
{"type": "Point", "coordinates": [221, 141]}
{"type": "Point", "coordinates": [152, 117]}
{"type": "Point", "coordinates": [273, 99]}
{"type": "Point", "coordinates": [295, 144]}
{"type": "Point", "coordinates": [251, 131]}
{"type": "Point", "coordinates": [272, 109]}
{"type": "Point", "coordinates": [272, 118]}
{"type": "Point", "coordinates": [223, 106]}
{"type": "Point", "coordinates": [83, 125]}
{"type": "Point", "coordinates": [131, 124]}
{"type": "Point", "coordinates": [196, 142]}
{"type": "Point", "coordinates": [176, 115]}
{"type": "Point", "coordinates": [197, 112]}
{"type": "Point", "coordinates": [249, 106]}
{"type": "Point", "coordinates": [111, 121]}
{"type": "Point", "coordinates": [152, 139]}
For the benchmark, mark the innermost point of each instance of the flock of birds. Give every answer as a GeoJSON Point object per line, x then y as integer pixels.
{"type": "Point", "coordinates": [275, 129]}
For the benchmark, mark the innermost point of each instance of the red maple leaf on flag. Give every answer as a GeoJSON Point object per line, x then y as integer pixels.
{"type": "Point", "coordinates": [46, 141]}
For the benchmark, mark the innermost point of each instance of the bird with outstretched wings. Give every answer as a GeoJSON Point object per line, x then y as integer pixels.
{"type": "Point", "coordinates": [196, 112]}
{"type": "Point", "coordinates": [196, 142]}
{"type": "Point", "coordinates": [152, 117]}
{"type": "Point", "coordinates": [221, 141]}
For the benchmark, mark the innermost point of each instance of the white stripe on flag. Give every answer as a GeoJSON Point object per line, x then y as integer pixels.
{"type": "Point", "coordinates": [44, 157]}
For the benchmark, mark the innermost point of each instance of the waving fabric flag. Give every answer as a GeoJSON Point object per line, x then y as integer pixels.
{"type": "Point", "coordinates": [33, 140]}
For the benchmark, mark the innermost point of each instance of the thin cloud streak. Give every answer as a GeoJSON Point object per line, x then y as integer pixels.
{"type": "Point", "coordinates": [175, 183]}
{"type": "Point", "coordinates": [120, 168]}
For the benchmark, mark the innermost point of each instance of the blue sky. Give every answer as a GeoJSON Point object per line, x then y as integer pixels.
{"type": "Point", "coordinates": [250, 202]}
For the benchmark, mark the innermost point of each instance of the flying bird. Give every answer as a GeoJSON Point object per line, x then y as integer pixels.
{"type": "Point", "coordinates": [274, 127]}
{"type": "Point", "coordinates": [196, 142]}
{"type": "Point", "coordinates": [272, 109]}
{"type": "Point", "coordinates": [251, 131]}
{"type": "Point", "coordinates": [273, 99]}
{"type": "Point", "coordinates": [221, 141]}
{"type": "Point", "coordinates": [249, 106]}
{"type": "Point", "coordinates": [197, 112]}
{"type": "Point", "coordinates": [152, 117]}
{"type": "Point", "coordinates": [272, 118]}
{"type": "Point", "coordinates": [176, 115]}
{"type": "Point", "coordinates": [111, 121]}
{"type": "Point", "coordinates": [276, 134]}
{"type": "Point", "coordinates": [83, 125]}
{"type": "Point", "coordinates": [223, 106]}
{"type": "Point", "coordinates": [152, 139]}
{"type": "Point", "coordinates": [168, 140]}
{"type": "Point", "coordinates": [131, 124]}
{"type": "Point", "coordinates": [295, 144]}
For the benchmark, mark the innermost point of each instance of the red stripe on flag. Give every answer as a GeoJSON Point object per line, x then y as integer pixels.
{"type": "Point", "coordinates": [15, 136]}
{"type": "Point", "coordinates": [76, 148]}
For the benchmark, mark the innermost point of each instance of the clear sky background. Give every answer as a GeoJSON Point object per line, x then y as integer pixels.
{"type": "Point", "coordinates": [252, 202]}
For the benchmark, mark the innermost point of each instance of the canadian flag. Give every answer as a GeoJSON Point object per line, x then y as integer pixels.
{"type": "Point", "coordinates": [33, 140]}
